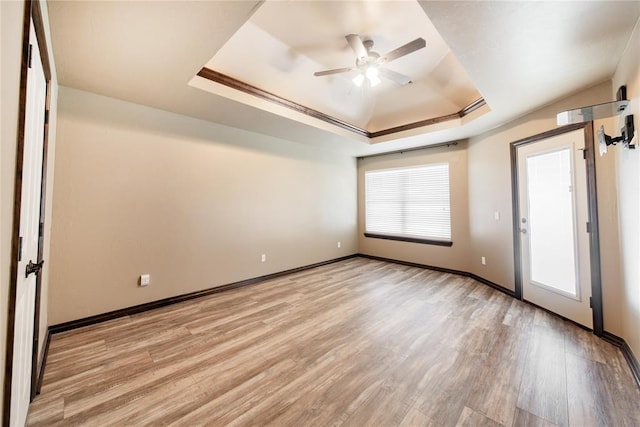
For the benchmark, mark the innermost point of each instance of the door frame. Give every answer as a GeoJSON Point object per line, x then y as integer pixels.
{"type": "Point", "coordinates": [592, 214]}
{"type": "Point", "coordinates": [32, 10]}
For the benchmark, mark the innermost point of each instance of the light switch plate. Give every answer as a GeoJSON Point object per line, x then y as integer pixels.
{"type": "Point", "coordinates": [145, 279]}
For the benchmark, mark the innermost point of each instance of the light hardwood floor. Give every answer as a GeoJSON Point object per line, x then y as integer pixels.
{"type": "Point", "coordinates": [359, 342]}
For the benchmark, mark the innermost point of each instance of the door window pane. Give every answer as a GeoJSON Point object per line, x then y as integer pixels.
{"type": "Point", "coordinates": [551, 225]}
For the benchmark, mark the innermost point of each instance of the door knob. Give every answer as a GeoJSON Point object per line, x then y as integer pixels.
{"type": "Point", "coordinates": [33, 268]}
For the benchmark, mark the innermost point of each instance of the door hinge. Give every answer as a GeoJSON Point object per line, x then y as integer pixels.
{"type": "Point", "coordinates": [588, 227]}
{"type": "Point", "coordinates": [19, 248]}
{"type": "Point", "coordinates": [33, 268]}
{"type": "Point", "coordinates": [29, 55]}
{"type": "Point", "coordinates": [46, 117]}
{"type": "Point", "coordinates": [590, 302]}
{"type": "Point", "coordinates": [41, 229]}
{"type": "Point", "coordinates": [584, 153]}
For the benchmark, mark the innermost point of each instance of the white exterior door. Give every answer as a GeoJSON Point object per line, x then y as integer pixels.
{"type": "Point", "coordinates": [29, 235]}
{"type": "Point", "coordinates": [553, 225]}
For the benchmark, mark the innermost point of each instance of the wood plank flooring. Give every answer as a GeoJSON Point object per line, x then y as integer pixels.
{"type": "Point", "coordinates": [355, 343]}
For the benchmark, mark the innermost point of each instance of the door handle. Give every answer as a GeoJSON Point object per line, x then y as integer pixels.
{"type": "Point", "coordinates": [33, 268]}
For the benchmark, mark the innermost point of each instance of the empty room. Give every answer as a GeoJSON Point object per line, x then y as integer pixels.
{"type": "Point", "coordinates": [346, 213]}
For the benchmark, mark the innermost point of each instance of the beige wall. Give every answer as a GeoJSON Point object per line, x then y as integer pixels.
{"type": "Point", "coordinates": [628, 179]}
{"type": "Point", "coordinates": [455, 257]}
{"type": "Point", "coordinates": [11, 41]}
{"type": "Point", "coordinates": [192, 203]}
{"type": "Point", "coordinates": [11, 17]}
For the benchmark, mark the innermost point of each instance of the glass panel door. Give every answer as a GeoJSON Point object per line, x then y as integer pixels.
{"type": "Point", "coordinates": [552, 252]}
{"type": "Point", "coordinates": [554, 242]}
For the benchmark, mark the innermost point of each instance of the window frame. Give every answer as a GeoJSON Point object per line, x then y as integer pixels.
{"type": "Point", "coordinates": [409, 238]}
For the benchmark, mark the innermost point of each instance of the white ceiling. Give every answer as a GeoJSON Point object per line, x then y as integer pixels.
{"type": "Point", "coordinates": [519, 55]}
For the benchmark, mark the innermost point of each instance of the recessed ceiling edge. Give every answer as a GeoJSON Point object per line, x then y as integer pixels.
{"type": "Point", "coordinates": [223, 79]}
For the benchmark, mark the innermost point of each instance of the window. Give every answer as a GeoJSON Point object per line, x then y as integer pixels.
{"type": "Point", "coordinates": [409, 204]}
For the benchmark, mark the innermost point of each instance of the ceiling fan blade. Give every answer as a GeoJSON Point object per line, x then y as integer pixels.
{"type": "Point", "coordinates": [335, 71]}
{"type": "Point", "coordinates": [401, 79]}
{"type": "Point", "coordinates": [406, 49]}
{"type": "Point", "coordinates": [356, 44]}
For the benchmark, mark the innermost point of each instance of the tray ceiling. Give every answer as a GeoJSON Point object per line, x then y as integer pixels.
{"type": "Point", "coordinates": [280, 47]}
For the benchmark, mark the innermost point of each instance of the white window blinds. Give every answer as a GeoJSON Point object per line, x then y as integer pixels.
{"type": "Point", "coordinates": [409, 202]}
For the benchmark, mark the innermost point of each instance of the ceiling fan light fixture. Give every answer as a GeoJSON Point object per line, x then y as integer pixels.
{"type": "Point", "coordinates": [372, 74]}
{"type": "Point", "coordinates": [368, 61]}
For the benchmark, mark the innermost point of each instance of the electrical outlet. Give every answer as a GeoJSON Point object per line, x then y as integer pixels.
{"type": "Point", "coordinates": [338, 245]}
{"type": "Point", "coordinates": [264, 257]}
{"type": "Point", "coordinates": [483, 260]}
{"type": "Point", "coordinates": [145, 279]}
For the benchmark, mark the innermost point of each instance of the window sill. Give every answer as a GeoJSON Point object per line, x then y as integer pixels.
{"type": "Point", "coordinates": [410, 239]}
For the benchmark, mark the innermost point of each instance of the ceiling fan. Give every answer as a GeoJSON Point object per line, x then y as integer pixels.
{"type": "Point", "coordinates": [369, 64]}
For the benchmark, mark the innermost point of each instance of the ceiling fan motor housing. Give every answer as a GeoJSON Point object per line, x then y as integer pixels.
{"type": "Point", "coordinates": [364, 62]}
